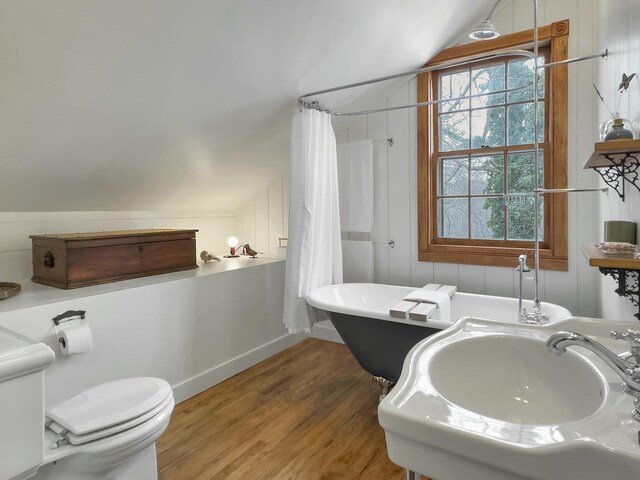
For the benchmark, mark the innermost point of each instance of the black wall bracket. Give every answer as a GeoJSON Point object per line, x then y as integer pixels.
{"type": "Point", "coordinates": [628, 284]}
{"type": "Point", "coordinates": [623, 169]}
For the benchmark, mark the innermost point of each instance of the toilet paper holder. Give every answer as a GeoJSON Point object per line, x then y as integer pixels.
{"type": "Point", "coordinates": [65, 317]}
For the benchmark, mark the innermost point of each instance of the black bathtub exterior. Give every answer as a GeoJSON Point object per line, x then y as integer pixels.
{"type": "Point", "coordinates": [379, 346]}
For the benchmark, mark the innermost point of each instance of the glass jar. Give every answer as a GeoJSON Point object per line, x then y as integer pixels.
{"type": "Point", "coordinates": [618, 132]}
{"type": "Point", "coordinates": [607, 126]}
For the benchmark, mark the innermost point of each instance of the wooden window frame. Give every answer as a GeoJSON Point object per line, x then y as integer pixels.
{"type": "Point", "coordinates": [554, 249]}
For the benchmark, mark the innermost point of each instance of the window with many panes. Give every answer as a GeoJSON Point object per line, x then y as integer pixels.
{"type": "Point", "coordinates": [485, 150]}
{"type": "Point", "coordinates": [476, 165]}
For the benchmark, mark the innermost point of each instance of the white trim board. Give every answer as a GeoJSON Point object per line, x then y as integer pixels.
{"type": "Point", "coordinates": [228, 369]}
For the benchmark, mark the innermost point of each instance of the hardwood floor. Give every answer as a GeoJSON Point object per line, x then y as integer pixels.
{"type": "Point", "coordinates": [309, 413]}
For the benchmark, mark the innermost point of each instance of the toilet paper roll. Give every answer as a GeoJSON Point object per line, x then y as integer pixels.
{"type": "Point", "coordinates": [75, 340]}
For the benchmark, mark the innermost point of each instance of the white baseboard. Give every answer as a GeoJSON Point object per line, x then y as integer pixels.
{"type": "Point", "coordinates": [326, 331]}
{"type": "Point", "coordinates": [228, 369]}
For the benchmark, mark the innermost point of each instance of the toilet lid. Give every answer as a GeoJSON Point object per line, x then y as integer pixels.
{"type": "Point", "coordinates": [109, 404]}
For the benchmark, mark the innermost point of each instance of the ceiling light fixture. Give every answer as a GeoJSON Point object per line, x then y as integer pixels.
{"type": "Point", "coordinates": [485, 30]}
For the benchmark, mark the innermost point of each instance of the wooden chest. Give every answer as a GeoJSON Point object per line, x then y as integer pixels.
{"type": "Point", "coordinates": [81, 259]}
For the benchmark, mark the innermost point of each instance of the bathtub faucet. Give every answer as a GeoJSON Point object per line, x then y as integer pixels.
{"type": "Point", "coordinates": [536, 317]}
{"type": "Point", "coordinates": [625, 365]}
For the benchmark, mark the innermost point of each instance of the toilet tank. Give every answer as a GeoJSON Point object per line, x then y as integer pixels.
{"type": "Point", "coordinates": [22, 364]}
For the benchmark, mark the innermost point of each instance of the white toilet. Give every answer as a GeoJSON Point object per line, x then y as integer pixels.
{"type": "Point", "coordinates": [107, 432]}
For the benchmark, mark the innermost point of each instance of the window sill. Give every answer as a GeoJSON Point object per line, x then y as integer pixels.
{"type": "Point", "coordinates": [491, 257]}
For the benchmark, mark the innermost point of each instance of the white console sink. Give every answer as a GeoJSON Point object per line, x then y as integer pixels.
{"type": "Point", "coordinates": [488, 401]}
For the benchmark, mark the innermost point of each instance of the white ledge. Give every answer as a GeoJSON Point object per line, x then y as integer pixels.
{"type": "Point", "coordinates": [33, 294]}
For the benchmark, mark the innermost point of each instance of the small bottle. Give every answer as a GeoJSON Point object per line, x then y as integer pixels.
{"type": "Point", "coordinates": [618, 132]}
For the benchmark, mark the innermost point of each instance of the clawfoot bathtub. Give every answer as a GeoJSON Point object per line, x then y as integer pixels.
{"type": "Point", "coordinates": [380, 342]}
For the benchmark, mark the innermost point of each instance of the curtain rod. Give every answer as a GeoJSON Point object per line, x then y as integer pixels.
{"type": "Point", "coordinates": [317, 106]}
{"type": "Point", "coordinates": [303, 103]}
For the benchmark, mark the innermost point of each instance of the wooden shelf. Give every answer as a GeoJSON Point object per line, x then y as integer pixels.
{"type": "Point", "coordinates": [625, 270]}
{"type": "Point", "coordinates": [617, 162]}
{"type": "Point", "coordinates": [598, 259]}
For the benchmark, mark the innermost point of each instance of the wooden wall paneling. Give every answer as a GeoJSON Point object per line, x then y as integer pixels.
{"type": "Point", "coordinates": [499, 281]}
{"type": "Point", "coordinates": [616, 22]}
{"type": "Point", "coordinates": [248, 234]}
{"type": "Point", "coordinates": [358, 128]}
{"type": "Point", "coordinates": [471, 279]}
{"type": "Point", "coordinates": [523, 15]}
{"type": "Point", "coordinates": [582, 118]}
{"type": "Point", "coordinates": [341, 128]}
{"type": "Point", "coordinates": [275, 215]}
{"type": "Point", "coordinates": [446, 273]}
{"type": "Point", "coordinates": [15, 266]}
{"type": "Point", "coordinates": [213, 233]}
{"type": "Point", "coordinates": [503, 18]}
{"type": "Point", "coordinates": [285, 206]}
{"type": "Point", "coordinates": [261, 222]}
{"type": "Point", "coordinates": [377, 129]}
{"type": "Point", "coordinates": [399, 190]}
{"type": "Point", "coordinates": [239, 231]}
{"type": "Point", "coordinates": [421, 272]}
{"type": "Point", "coordinates": [562, 287]}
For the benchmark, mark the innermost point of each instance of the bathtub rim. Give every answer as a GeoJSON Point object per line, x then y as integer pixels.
{"type": "Point", "coordinates": [320, 299]}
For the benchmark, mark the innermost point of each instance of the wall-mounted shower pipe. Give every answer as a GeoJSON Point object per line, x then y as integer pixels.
{"type": "Point", "coordinates": [542, 191]}
{"type": "Point", "coordinates": [431, 102]}
{"type": "Point", "coordinates": [304, 103]}
{"type": "Point", "coordinates": [536, 161]}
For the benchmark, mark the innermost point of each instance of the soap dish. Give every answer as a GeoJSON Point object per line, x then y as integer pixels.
{"type": "Point", "coordinates": [8, 289]}
{"type": "Point", "coordinates": [617, 248]}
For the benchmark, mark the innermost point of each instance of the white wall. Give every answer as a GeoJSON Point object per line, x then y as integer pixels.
{"type": "Point", "coordinates": [618, 29]}
{"type": "Point", "coordinates": [265, 218]}
{"type": "Point", "coordinates": [193, 331]}
{"type": "Point", "coordinates": [15, 228]}
{"type": "Point", "coordinates": [159, 104]}
{"type": "Point", "coordinates": [396, 172]}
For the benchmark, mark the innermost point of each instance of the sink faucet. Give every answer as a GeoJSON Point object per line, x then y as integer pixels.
{"type": "Point", "coordinates": [626, 365]}
{"type": "Point", "coordinates": [536, 317]}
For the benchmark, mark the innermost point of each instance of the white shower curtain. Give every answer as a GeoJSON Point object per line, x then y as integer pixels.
{"type": "Point", "coordinates": [314, 250]}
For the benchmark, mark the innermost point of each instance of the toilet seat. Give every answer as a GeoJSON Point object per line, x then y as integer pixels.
{"type": "Point", "coordinates": [109, 408]}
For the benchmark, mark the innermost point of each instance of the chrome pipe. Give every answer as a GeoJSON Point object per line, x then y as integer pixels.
{"type": "Point", "coordinates": [521, 269]}
{"type": "Point", "coordinates": [604, 54]}
{"type": "Point", "coordinates": [430, 68]}
{"type": "Point", "coordinates": [467, 61]}
{"type": "Point", "coordinates": [536, 160]}
{"type": "Point", "coordinates": [421, 104]}
{"type": "Point", "coordinates": [542, 191]}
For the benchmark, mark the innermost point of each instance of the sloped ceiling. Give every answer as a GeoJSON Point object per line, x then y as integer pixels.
{"type": "Point", "coordinates": [184, 105]}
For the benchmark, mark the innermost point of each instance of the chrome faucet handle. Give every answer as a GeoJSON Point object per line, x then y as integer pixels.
{"type": "Point", "coordinates": [633, 373]}
{"type": "Point", "coordinates": [630, 335]}
{"type": "Point", "coordinates": [633, 337]}
{"type": "Point", "coordinates": [522, 264]}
